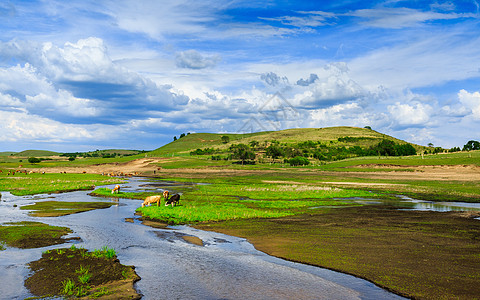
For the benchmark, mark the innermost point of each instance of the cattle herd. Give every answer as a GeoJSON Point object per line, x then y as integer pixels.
{"type": "Point", "coordinates": [173, 200]}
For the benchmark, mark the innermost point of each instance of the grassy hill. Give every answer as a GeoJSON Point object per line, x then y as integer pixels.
{"type": "Point", "coordinates": [194, 141]}
{"type": "Point", "coordinates": [7, 153]}
{"type": "Point", "coordinates": [35, 153]}
{"type": "Point", "coordinates": [331, 136]}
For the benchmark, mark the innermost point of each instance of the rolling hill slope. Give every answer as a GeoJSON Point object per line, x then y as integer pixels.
{"type": "Point", "coordinates": [334, 136]}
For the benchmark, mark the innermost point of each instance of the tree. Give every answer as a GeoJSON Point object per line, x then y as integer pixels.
{"type": "Point", "coordinates": [225, 139]}
{"type": "Point", "coordinates": [405, 150]}
{"type": "Point", "coordinates": [182, 135]}
{"type": "Point", "coordinates": [368, 127]}
{"type": "Point", "coordinates": [471, 145]}
{"type": "Point", "coordinates": [34, 160]}
{"type": "Point", "coordinates": [242, 152]}
{"type": "Point", "coordinates": [274, 151]}
{"type": "Point", "coordinates": [174, 138]}
{"type": "Point", "coordinates": [71, 158]}
{"type": "Point", "coordinates": [386, 147]}
{"type": "Point", "coordinates": [298, 161]}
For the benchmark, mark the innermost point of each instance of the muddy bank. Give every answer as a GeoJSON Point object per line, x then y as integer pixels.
{"type": "Point", "coordinates": [421, 254]}
{"type": "Point", "coordinates": [76, 272]}
{"type": "Point", "coordinates": [27, 235]}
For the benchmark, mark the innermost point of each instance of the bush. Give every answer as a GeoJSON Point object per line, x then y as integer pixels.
{"type": "Point", "coordinates": [34, 160]}
{"type": "Point", "coordinates": [298, 161]}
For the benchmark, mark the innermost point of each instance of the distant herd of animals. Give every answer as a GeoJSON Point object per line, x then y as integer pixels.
{"type": "Point", "coordinates": [173, 200]}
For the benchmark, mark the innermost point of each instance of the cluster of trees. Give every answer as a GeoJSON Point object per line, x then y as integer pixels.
{"type": "Point", "coordinates": [302, 153]}
{"type": "Point", "coordinates": [326, 153]}
{"type": "Point", "coordinates": [99, 153]}
{"type": "Point", "coordinates": [181, 136]}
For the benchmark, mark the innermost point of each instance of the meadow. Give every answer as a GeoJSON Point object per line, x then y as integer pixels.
{"type": "Point", "coordinates": [230, 201]}
{"type": "Point", "coordinates": [21, 184]}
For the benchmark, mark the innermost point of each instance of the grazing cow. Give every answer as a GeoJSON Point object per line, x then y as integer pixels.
{"type": "Point", "coordinates": [174, 200]}
{"type": "Point", "coordinates": [116, 189]}
{"type": "Point", "coordinates": [152, 199]}
{"type": "Point", "coordinates": [165, 195]}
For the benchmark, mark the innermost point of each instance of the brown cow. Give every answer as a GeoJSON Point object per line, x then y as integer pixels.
{"type": "Point", "coordinates": [116, 189]}
{"type": "Point", "coordinates": [152, 199]}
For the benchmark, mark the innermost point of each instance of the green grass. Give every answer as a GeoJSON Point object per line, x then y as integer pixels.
{"type": "Point", "coordinates": [35, 153]}
{"type": "Point", "coordinates": [105, 252]}
{"type": "Point", "coordinates": [28, 184]}
{"type": "Point", "coordinates": [459, 158]}
{"type": "Point", "coordinates": [31, 234]}
{"type": "Point", "coordinates": [230, 201]}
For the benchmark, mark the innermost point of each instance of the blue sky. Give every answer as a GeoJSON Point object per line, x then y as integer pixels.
{"type": "Point", "coordinates": [86, 75]}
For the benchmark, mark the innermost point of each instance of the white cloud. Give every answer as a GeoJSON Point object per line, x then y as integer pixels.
{"type": "Point", "coordinates": [419, 62]}
{"type": "Point", "coordinates": [471, 101]}
{"type": "Point", "coordinates": [410, 114]}
{"type": "Point", "coordinates": [306, 19]}
{"type": "Point", "coordinates": [192, 59]}
{"type": "Point", "coordinates": [332, 86]}
{"type": "Point", "coordinates": [20, 126]}
{"type": "Point", "coordinates": [401, 17]}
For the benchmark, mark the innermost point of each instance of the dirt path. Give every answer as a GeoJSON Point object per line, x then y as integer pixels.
{"type": "Point", "coordinates": [142, 166]}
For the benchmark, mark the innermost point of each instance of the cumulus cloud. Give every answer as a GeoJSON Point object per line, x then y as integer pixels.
{"type": "Point", "coordinates": [308, 81]}
{"type": "Point", "coordinates": [273, 79]}
{"type": "Point", "coordinates": [79, 81]}
{"type": "Point", "coordinates": [333, 86]}
{"type": "Point", "coordinates": [405, 114]}
{"type": "Point", "coordinates": [471, 101]}
{"type": "Point", "coordinates": [192, 59]}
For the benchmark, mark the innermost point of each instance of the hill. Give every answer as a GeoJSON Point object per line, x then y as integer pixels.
{"type": "Point", "coordinates": [35, 153]}
{"type": "Point", "coordinates": [201, 140]}
{"type": "Point", "coordinates": [7, 153]}
{"type": "Point", "coordinates": [330, 136]}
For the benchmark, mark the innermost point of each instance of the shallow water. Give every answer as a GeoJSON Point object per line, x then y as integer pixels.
{"type": "Point", "coordinates": [405, 202]}
{"type": "Point", "coordinates": [225, 267]}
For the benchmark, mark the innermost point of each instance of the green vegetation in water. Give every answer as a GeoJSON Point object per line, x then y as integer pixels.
{"type": "Point", "coordinates": [75, 272]}
{"type": "Point", "coordinates": [218, 202]}
{"type": "Point", "coordinates": [32, 234]}
{"type": "Point", "coordinates": [62, 208]}
{"type": "Point", "coordinates": [28, 184]}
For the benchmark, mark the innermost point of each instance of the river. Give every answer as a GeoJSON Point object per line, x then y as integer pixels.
{"type": "Point", "coordinates": [225, 267]}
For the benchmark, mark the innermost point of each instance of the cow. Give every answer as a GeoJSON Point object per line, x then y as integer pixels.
{"type": "Point", "coordinates": [174, 200]}
{"type": "Point", "coordinates": [116, 189]}
{"type": "Point", "coordinates": [152, 199]}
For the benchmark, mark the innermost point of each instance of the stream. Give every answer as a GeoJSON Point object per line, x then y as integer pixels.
{"type": "Point", "coordinates": [226, 267]}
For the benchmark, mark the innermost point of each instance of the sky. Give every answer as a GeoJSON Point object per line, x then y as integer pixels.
{"type": "Point", "coordinates": [124, 74]}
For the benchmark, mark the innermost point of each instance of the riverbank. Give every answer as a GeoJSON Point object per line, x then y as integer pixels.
{"type": "Point", "coordinates": [418, 254]}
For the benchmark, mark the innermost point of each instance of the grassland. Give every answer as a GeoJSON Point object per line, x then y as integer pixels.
{"type": "Point", "coordinates": [29, 184]}
{"type": "Point", "coordinates": [219, 202]}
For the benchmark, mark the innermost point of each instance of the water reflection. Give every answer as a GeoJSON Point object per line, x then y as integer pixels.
{"type": "Point", "coordinates": [405, 202]}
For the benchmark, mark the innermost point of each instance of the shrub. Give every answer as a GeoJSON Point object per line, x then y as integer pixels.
{"type": "Point", "coordinates": [34, 160]}
{"type": "Point", "coordinates": [298, 161]}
